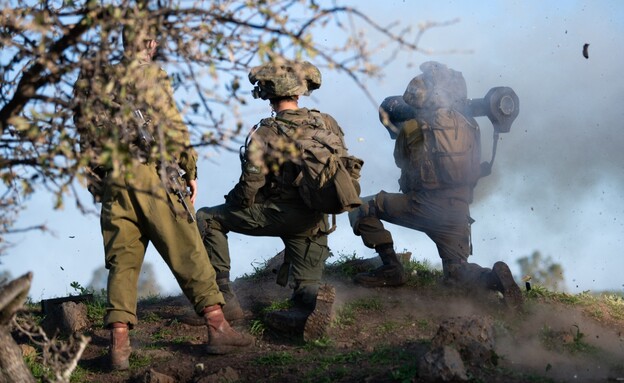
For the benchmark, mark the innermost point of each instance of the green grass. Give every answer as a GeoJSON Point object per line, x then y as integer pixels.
{"type": "Point", "coordinates": [342, 265]}
{"type": "Point", "coordinates": [615, 304]}
{"type": "Point", "coordinates": [319, 344]}
{"type": "Point", "coordinates": [257, 328]}
{"type": "Point", "coordinates": [329, 366]}
{"type": "Point", "coordinates": [388, 327]}
{"type": "Point", "coordinates": [38, 370]}
{"type": "Point", "coordinates": [78, 375]}
{"type": "Point", "coordinates": [152, 299]}
{"type": "Point", "coordinates": [571, 341]}
{"type": "Point", "coordinates": [406, 365]}
{"type": "Point", "coordinates": [43, 373]}
{"type": "Point", "coordinates": [151, 317]}
{"type": "Point", "coordinates": [347, 313]}
{"type": "Point", "coordinates": [161, 334]}
{"type": "Point", "coordinates": [182, 339]}
{"type": "Point", "coordinates": [332, 367]}
{"type": "Point", "coordinates": [139, 361]}
{"type": "Point", "coordinates": [260, 269]}
{"type": "Point", "coordinates": [541, 292]}
{"type": "Point", "coordinates": [96, 308]}
{"type": "Point", "coordinates": [280, 358]}
{"type": "Point", "coordinates": [422, 273]}
{"type": "Point", "coordinates": [367, 304]}
{"type": "Point", "coordinates": [423, 324]}
{"type": "Point", "coordinates": [595, 305]}
{"type": "Point", "coordinates": [278, 305]}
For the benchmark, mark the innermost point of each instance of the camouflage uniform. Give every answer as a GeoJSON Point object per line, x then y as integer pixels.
{"type": "Point", "coordinates": [265, 203]}
{"type": "Point", "coordinates": [442, 212]}
{"type": "Point", "coordinates": [136, 205]}
{"type": "Point", "coordinates": [443, 215]}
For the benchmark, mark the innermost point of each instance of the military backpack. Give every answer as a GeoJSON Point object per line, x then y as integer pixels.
{"type": "Point", "coordinates": [328, 179]}
{"type": "Point", "coordinates": [450, 154]}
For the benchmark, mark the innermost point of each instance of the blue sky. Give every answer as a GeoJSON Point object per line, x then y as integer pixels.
{"type": "Point", "coordinates": [557, 184]}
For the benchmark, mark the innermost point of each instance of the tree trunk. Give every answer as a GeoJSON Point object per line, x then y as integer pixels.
{"type": "Point", "coordinates": [12, 366]}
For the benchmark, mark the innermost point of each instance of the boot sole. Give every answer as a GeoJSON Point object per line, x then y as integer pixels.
{"type": "Point", "coordinates": [510, 290]}
{"type": "Point", "coordinates": [318, 321]}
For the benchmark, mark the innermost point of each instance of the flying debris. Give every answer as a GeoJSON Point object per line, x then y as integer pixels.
{"type": "Point", "coordinates": [586, 50]}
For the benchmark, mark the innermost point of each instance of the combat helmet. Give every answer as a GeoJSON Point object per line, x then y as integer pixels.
{"type": "Point", "coordinates": [437, 87]}
{"type": "Point", "coordinates": [283, 78]}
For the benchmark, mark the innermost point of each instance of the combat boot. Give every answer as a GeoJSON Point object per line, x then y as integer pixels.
{"type": "Point", "coordinates": [120, 349]}
{"type": "Point", "coordinates": [223, 339]}
{"type": "Point", "coordinates": [298, 321]}
{"type": "Point", "coordinates": [502, 280]}
{"type": "Point", "coordinates": [318, 321]}
{"type": "Point", "coordinates": [231, 309]}
{"type": "Point", "coordinates": [391, 273]}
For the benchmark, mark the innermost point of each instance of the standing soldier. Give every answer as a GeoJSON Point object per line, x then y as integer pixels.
{"type": "Point", "coordinates": [265, 201]}
{"type": "Point", "coordinates": [438, 152]}
{"type": "Point", "coordinates": [121, 109]}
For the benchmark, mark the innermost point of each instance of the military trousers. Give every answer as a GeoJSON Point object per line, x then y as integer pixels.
{"type": "Point", "coordinates": [138, 210]}
{"type": "Point", "coordinates": [299, 228]}
{"type": "Point", "coordinates": [445, 220]}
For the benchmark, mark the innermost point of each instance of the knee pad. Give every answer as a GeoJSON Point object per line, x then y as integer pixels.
{"type": "Point", "coordinates": [367, 209]}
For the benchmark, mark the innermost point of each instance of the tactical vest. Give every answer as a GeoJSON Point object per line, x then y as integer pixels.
{"type": "Point", "coordinates": [444, 151]}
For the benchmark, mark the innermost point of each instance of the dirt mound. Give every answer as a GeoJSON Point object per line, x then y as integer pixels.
{"type": "Point", "coordinates": [377, 335]}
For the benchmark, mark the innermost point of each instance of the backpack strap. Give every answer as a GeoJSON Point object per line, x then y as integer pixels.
{"type": "Point", "coordinates": [242, 151]}
{"type": "Point", "coordinates": [332, 228]}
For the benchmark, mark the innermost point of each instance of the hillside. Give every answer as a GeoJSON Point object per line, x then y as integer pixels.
{"type": "Point", "coordinates": [377, 335]}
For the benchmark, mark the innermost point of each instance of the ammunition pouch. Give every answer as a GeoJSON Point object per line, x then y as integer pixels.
{"type": "Point", "coordinates": [282, 274]}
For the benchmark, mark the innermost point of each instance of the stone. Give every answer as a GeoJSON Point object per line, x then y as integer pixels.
{"type": "Point", "coordinates": [472, 336]}
{"type": "Point", "coordinates": [67, 318]}
{"type": "Point", "coordinates": [442, 364]}
{"type": "Point", "coordinates": [224, 375]}
{"type": "Point", "coordinates": [153, 376]}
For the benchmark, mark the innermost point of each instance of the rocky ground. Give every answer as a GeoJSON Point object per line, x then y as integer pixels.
{"type": "Point", "coordinates": [418, 332]}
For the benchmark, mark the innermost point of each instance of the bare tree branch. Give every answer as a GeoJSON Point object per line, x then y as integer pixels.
{"type": "Point", "coordinates": [207, 48]}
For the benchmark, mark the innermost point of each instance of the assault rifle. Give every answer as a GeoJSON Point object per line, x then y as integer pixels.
{"type": "Point", "coordinates": [144, 139]}
{"type": "Point", "coordinates": [174, 173]}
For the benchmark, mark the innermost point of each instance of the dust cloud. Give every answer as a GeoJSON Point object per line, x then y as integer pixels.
{"type": "Point", "coordinates": [541, 340]}
{"type": "Point", "coordinates": [557, 184]}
